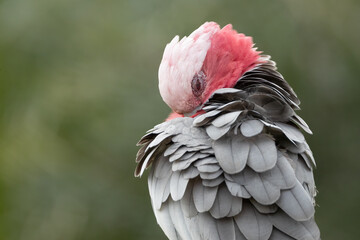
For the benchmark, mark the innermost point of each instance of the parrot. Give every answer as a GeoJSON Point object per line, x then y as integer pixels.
{"type": "Point", "coordinates": [231, 160]}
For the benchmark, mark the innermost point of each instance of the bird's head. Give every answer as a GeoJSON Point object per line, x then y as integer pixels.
{"type": "Point", "coordinates": [208, 59]}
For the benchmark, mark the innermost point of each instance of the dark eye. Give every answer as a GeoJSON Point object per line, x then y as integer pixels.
{"type": "Point", "coordinates": [198, 83]}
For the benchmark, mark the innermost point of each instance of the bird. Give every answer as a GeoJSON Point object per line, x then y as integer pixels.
{"type": "Point", "coordinates": [231, 160]}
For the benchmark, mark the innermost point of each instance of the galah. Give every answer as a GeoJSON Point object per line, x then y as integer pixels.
{"type": "Point", "coordinates": [231, 161]}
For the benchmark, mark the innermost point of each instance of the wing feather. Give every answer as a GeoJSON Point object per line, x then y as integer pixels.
{"type": "Point", "coordinates": [222, 204]}
{"type": "Point", "coordinates": [236, 189]}
{"type": "Point", "coordinates": [278, 235]}
{"type": "Point", "coordinates": [226, 119]}
{"type": "Point", "coordinates": [165, 221]}
{"type": "Point", "coordinates": [232, 153]}
{"type": "Point", "coordinates": [291, 132]}
{"type": "Point", "coordinates": [253, 224]}
{"type": "Point", "coordinates": [262, 154]}
{"type": "Point", "coordinates": [297, 203]}
{"type": "Point", "coordinates": [259, 188]}
{"type": "Point", "coordinates": [251, 128]}
{"type": "Point", "coordinates": [306, 230]}
{"type": "Point", "coordinates": [204, 197]}
{"type": "Point", "coordinates": [178, 185]}
{"type": "Point", "coordinates": [226, 228]}
{"type": "Point", "coordinates": [282, 175]}
{"type": "Point", "coordinates": [177, 218]}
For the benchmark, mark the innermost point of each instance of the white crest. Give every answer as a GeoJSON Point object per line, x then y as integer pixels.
{"type": "Point", "coordinates": [181, 61]}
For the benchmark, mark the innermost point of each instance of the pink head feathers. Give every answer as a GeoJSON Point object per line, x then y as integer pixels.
{"type": "Point", "coordinates": [208, 59]}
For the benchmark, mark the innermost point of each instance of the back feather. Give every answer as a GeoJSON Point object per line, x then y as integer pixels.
{"type": "Point", "coordinates": [241, 170]}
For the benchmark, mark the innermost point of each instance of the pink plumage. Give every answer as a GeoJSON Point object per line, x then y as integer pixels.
{"type": "Point", "coordinates": [229, 56]}
{"type": "Point", "coordinates": [220, 55]}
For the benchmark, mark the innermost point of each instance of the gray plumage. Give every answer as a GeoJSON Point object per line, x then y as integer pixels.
{"type": "Point", "coordinates": [232, 153]}
{"type": "Point", "coordinates": [251, 128]}
{"type": "Point", "coordinates": [203, 196]}
{"type": "Point", "coordinates": [240, 170]}
{"type": "Point", "coordinates": [253, 224]}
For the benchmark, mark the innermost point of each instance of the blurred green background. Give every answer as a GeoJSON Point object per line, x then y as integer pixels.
{"type": "Point", "coordinates": [78, 88]}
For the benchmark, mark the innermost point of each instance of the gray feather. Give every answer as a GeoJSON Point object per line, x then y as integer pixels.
{"type": "Point", "coordinates": [159, 138]}
{"type": "Point", "coordinates": [177, 186]}
{"type": "Point", "coordinates": [208, 151]}
{"type": "Point", "coordinates": [307, 230]}
{"type": "Point", "coordinates": [216, 133]}
{"type": "Point", "coordinates": [277, 110]}
{"type": "Point", "coordinates": [226, 228]}
{"type": "Point", "coordinates": [196, 156]}
{"type": "Point", "coordinates": [251, 128]}
{"type": "Point", "coordinates": [212, 175]}
{"type": "Point", "coordinates": [209, 168]}
{"type": "Point", "coordinates": [233, 106]}
{"type": "Point", "coordinates": [222, 204]}
{"type": "Point", "coordinates": [190, 173]}
{"type": "Point", "coordinates": [159, 191]}
{"type": "Point", "coordinates": [232, 153]}
{"type": "Point", "coordinates": [260, 189]}
{"type": "Point", "coordinates": [187, 202]}
{"type": "Point", "coordinates": [207, 227]}
{"type": "Point", "coordinates": [146, 139]}
{"type": "Point", "coordinates": [161, 167]}
{"type": "Point", "coordinates": [158, 181]}
{"type": "Point", "coordinates": [262, 154]}
{"type": "Point", "coordinates": [213, 182]}
{"type": "Point", "coordinates": [204, 161]}
{"type": "Point", "coordinates": [141, 153]}
{"type": "Point", "coordinates": [270, 125]}
{"type": "Point", "coordinates": [166, 192]}
{"type": "Point", "coordinates": [204, 197]}
{"type": "Point", "coordinates": [238, 234]}
{"type": "Point", "coordinates": [151, 185]}
{"type": "Point", "coordinates": [238, 178]}
{"type": "Point", "coordinates": [282, 175]}
{"type": "Point", "coordinates": [178, 219]}
{"type": "Point", "coordinates": [253, 224]}
{"type": "Point", "coordinates": [225, 91]}
{"type": "Point", "coordinates": [293, 147]}
{"type": "Point", "coordinates": [192, 226]}
{"type": "Point", "coordinates": [179, 153]}
{"type": "Point", "coordinates": [164, 220]}
{"type": "Point", "coordinates": [297, 203]}
{"type": "Point", "coordinates": [236, 206]}
{"type": "Point", "coordinates": [189, 140]}
{"type": "Point", "coordinates": [306, 178]}
{"type": "Point", "coordinates": [145, 163]}
{"type": "Point", "coordinates": [308, 157]}
{"type": "Point", "coordinates": [208, 108]}
{"type": "Point", "coordinates": [291, 132]}
{"type": "Point", "coordinates": [264, 208]}
{"type": "Point", "coordinates": [172, 148]}
{"type": "Point", "coordinates": [225, 119]}
{"type": "Point", "coordinates": [181, 164]}
{"type": "Point", "coordinates": [301, 123]}
{"type": "Point", "coordinates": [303, 173]}
{"type": "Point", "coordinates": [278, 235]}
{"type": "Point", "coordinates": [237, 190]}
{"type": "Point", "coordinates": [188, 155]}
{"type": "Point", "coordinates": [204, 118]}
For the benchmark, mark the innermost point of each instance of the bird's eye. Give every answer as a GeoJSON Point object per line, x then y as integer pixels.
{"type": "Point", "coordinates": [198, 83]}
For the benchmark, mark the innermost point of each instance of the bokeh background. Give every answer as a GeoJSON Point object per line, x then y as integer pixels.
{"type": "Point", "coordinates": [78, 88]}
